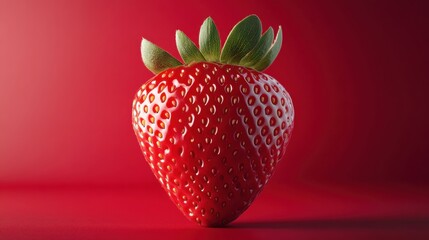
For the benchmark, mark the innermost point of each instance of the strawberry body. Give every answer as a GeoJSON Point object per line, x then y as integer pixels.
{"type": "Point", "coordinates": [212, 135]}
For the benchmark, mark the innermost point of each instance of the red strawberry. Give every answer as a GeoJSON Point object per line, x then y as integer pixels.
{"type": "Point", "coordinates": [214, 129]}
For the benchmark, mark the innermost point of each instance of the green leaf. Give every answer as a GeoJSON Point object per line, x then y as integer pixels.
{"type": "Point", "coordinates": [155, 58]}
{"type": "Point", "coordinates": [187, 49]}
{"type": "Point", "coordinates": [209, 41]}
{"type": "Point", "coordinates": [272, 53]}
{"type": "Point", "coordinates": [242, 38]}
{"type": "Point", "coordinates": [259, 51]}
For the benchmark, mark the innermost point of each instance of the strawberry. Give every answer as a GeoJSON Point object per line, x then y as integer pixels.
{"type": "Point", "coordinates": [214, 128]}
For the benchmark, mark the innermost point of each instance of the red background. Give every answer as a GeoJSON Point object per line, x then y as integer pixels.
{"type": "Point", "coordinates": [357, 72]}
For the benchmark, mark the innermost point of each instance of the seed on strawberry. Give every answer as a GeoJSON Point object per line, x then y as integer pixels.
{"type": "Point", "coordinates": [213, 130]}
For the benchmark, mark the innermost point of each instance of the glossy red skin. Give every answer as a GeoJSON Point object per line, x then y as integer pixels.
{"type": "Point", "coordinates": [212, 135]}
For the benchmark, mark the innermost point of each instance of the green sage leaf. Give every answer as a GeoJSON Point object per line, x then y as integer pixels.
{"type": "Point", "coordinates": [209, 41]}
{"type": "Point", "coordinates": [242, 38]}
{"type": "Point", "coordinates": [271, 54]}
{"type": "Point", "coordinates": [260, 50]}
{"type": "Point", "coordinates": [187, 49]}
{"type": "Point", "coordinates": [155, 58]}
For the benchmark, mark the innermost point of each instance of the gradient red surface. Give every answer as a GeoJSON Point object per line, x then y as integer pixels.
{"type": "Point", "coordinates": [357, 73]}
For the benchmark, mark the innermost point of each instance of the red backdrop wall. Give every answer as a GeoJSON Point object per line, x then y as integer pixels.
{"type": "Point", "coordinates": [356, 70]}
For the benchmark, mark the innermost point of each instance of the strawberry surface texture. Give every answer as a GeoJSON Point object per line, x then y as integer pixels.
{"type": "Point", "coordinates": [212, 132]}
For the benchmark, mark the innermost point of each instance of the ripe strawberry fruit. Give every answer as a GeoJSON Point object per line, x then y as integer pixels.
{"type": "Point", "coordinates": [214, 129]}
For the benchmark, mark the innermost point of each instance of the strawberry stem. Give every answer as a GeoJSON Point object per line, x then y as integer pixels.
{"type": "Point", "coordinates": [241, 40]}
{"type": "Point", "coordinates": [155, 58]}
{"type": "Point", "coordinates": [187, 49]}
{"type": "Point", "coordinates": [260, 50]}
{"type": "Point", "coordinates": [244, 46]}
{"type": "Point", "coordinates": [209, 41]}
{"type": "Point", "coordinates": [271, 55]}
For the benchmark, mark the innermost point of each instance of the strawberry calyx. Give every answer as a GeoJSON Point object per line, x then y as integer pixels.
{"type": "Point", "coordinates": [245, 46]}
